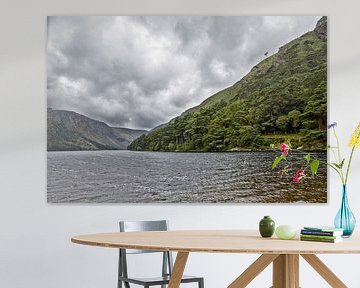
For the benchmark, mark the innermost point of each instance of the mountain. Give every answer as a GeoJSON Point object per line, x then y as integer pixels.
{"type": "Point", "coordinates": [282, 99]}
{"type": "Point", "coordinates": [67, 131]}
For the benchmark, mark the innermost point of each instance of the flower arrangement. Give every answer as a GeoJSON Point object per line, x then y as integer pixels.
{"type": "Point", "coordinates": [339, 163]}
{"type": "Point", "coordinates": [310, 166]}
{"type": "Point", "coordinates": [344, 218]}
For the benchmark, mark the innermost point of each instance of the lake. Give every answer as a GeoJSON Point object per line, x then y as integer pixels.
{"type": "Point", "coordinates": [165, 177]}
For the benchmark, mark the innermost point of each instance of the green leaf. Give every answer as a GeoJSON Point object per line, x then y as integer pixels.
{"type": "Point", "coordinates": [308, 157]}
{"type": "Point", "coordinates": [272, 146]}
{"type": "Point", "coordinates": [339, 166]}
{"type": "Point", "coordinates": [342, 163]}
{"type": "Point", "coordinates": [277, 161]}
{"type": "Point", "coordinates": [333, 167]}
{"type": "Point", "coordinates": [314, 166]}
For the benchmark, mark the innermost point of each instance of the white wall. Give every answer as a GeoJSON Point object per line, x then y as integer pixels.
{"type": "Point", "coordinates": [35, 248]}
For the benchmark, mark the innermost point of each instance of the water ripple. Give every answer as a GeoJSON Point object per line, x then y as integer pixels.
{"type": "Point", "coordinates": [148, 177]}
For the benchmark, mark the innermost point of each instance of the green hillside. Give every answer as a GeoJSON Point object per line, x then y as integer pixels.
{"type": "Point", "coordinates": [283, 98]}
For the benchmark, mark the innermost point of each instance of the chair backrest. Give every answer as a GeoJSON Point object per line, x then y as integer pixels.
{"type": "Point", "coordinates": [134, 226]}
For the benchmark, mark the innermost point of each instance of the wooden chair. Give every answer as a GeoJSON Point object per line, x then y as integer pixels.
{"type": "Point", "coordinates": [167, 262]}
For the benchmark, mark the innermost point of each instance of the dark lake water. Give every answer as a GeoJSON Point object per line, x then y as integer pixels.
{"type": "Point", "coordinates": [148, 177]}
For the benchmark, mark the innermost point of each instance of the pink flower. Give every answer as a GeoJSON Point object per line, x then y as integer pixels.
{"type": "Point", "coordinates": [299, 175]}
{"type": "Point", "coordinates": [284, 148]}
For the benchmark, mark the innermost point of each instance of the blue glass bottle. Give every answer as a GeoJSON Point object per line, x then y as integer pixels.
{"type": "Point", "coordinates": [345, 219]}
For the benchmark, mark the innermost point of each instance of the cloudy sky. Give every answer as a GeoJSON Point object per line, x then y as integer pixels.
{"type": "Point", "coordinates": [139, 72]}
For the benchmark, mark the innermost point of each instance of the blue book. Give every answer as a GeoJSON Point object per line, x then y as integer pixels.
{"type": "Point", "coordinates": [322, 231]}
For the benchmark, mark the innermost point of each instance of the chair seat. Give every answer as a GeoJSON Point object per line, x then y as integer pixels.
{"type": "Point", "coordinates": [158, 280]}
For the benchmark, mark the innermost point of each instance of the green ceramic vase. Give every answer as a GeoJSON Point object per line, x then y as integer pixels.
{"type": "Point", "coordinates": [266, 227]}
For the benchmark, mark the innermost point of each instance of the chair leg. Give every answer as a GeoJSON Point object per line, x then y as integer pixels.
{"type": "Point", "coordinates": [201, 283]}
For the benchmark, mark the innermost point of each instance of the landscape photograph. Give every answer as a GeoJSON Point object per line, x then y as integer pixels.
{"type": "Point", "coordinates": [186, 109]}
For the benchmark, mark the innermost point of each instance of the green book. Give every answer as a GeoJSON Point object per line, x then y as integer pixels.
{"type": "Point", "coordinates": [319, 236]}
{"type": "Point", "coordinates": [325, 240]}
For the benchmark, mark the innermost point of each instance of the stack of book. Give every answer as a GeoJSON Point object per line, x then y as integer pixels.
{"type": "Point", "coordinates": [321, 234]}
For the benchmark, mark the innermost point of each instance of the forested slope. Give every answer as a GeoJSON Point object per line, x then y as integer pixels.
{"type": "Point", "coordinates": [283, 98]}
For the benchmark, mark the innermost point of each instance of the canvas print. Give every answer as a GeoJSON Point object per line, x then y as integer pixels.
{"type": "Point", "coordinates": [186, 109]}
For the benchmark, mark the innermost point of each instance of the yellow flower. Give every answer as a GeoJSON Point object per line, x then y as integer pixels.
{"type": "Point", "coordinates": [355, 138]}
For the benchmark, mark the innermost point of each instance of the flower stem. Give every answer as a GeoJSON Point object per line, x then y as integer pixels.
{"type": "Point", "coordinates": [348, 167]}
{"type": "Point", "coordinates": [337, 171]}
{"type": "Point", "coordinates": [351, 156]}
{"type": "Point", "coordinates": [334, 154]}
{"type": "Point", "coordinates": [339, 155]}
{"type": "Point", "coordinates": [338, 145]}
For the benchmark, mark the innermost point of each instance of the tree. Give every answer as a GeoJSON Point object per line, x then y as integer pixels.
{"type": "Point", "coordinates": [282, 123]}
{"type": "Point", "coordinates": [294, 119]}
{"type": "Point", "coordinates": [248, 136]}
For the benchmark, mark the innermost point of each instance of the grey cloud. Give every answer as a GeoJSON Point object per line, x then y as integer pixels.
{"type": "Point", "coordinates": [141, 71]}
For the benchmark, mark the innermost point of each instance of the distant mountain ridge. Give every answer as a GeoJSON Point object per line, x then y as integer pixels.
{"type": "Point", "coordinates": [282, 99]}
{"type": "Point", "coordinates": [70, 131]}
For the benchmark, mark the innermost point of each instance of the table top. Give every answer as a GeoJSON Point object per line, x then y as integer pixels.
{"type": "Point", "coordinates": [217, 241]}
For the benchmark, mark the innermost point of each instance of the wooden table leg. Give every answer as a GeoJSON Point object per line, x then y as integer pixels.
{"type": "Point", "coordinates": [286, 271]}
{"type": "Point", "coordinates": [293, 264]}
{"type": "Point", "coordinates": [178, 270]}
{"type": "Point", "coordinates": [324, 271]}
{"type": "Point", "coordinates": [253, 270]}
